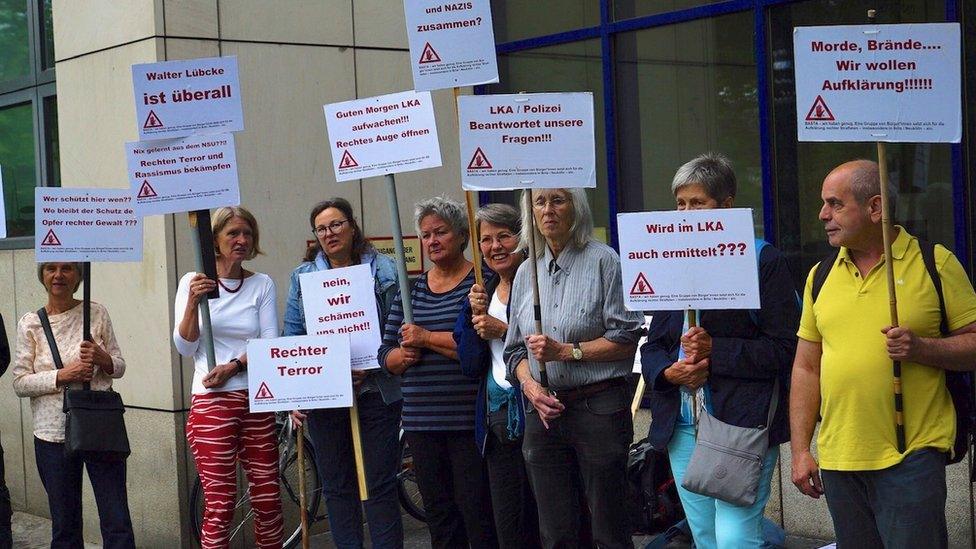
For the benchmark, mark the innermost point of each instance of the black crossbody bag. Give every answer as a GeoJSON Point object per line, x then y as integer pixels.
{"type": "Point", "coordinates": [94, 427]}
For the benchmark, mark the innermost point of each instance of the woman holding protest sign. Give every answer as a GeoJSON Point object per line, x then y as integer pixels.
{"type": "Point", "coordinates": [499, 416]}
{"type": "Point", "coordinates": [737, 356]}
{"type": "Point", "coordinates": [43, 372]}
{"type": "Point", "coordinates": [579, 427]}
{"type": "Point", "coordinates": [438, 399]}
{"type": "Point", "coordinates": [339, 242]}
{"type": "Point", "coordinates": [220, 428]}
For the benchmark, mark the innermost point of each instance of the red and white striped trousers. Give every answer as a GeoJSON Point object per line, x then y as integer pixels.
{"type": "Point", "coordinates": [221, 431]}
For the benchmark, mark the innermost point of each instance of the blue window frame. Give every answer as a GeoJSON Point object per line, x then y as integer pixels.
{"type": "Point", "coordinates": [606, 30]}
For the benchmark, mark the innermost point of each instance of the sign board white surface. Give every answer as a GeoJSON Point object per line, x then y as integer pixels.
{"type": "Point", "coordinates": [298, 373]}
{"type": "Point", "coordinates": [451, 43]}
{"type": "Point", "coordinates": [382, 135]}
{"type": "Point", "coordinates": [342, 301]}
{"type": "Point", "coordinates": [182, 175]}
{"type": "Point", "coordinates": [3, 209]}
{"type": "Point", "coordinates": [640, 343]}
{"type": "Point", "coordinates": [894, 83]}
{"type": "Point", "coordinates": [692, 259]}
{"type": "Point", "coordinates": [187, 97]}
{"type": "Point", "coordinates": [86, 225]}
{"type": "Point", "coordinates": [532, 140]}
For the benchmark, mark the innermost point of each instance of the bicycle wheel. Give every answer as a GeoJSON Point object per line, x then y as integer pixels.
{"type": "Point", "coordinates": [407, 489]}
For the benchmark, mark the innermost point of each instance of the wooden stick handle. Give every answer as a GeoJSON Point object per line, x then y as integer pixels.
{"type": "Point", "coordinates": [638, 396]}
{"type": "Point", "coordinates": [472, 200]}
{"type": "Point", "coordinates": [357, 450]}
{"type": "Point", "coordinates": [534, 268]}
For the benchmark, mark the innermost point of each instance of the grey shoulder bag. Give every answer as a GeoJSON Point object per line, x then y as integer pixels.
{"type": "Point", "coordinates": [727, 461]}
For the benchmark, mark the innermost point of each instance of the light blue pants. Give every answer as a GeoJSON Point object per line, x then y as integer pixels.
{"type": "Point", "coordinates": [714, 523]}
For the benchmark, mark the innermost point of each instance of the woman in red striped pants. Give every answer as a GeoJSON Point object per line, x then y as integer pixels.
{"type": "Point", "coordinates": [220, 429]}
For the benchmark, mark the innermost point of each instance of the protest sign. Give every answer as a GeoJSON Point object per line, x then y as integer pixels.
{"type": "Point", "coordinates": [692, 259]}
{"type": "Point", "coordinates": [451, 43]}
{"type": "Point", "coordinates": [182, 175]}
{"type": "Point", "coordinates": [3, 209]}
{"type": "Point", "coordinates": [187, 97]}
{"type": "Point", "coordinates": [85, 225]}
{"type": "Point", "coordinates": [412, 249]}
{"type": "Point", "coordinates": [535, 140]}
{"type": "Point", "coordinates": [342, 301]}
{"type": "Point", "coordinates": [382, 135]}
{"type": "Point", "coordinates": [299, 373]}
{"type": "Point", "coordinates": [894, 83]}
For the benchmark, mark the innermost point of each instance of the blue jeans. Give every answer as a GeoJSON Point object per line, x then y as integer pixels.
{"type": "Point", "coordinates": [61, 476]}
{"type": "Point", "coordinates": [715, 523]}
{"type": "Point", "coordinates": [902, 506]}
{"type": "Point", "coordinates": [331, 435]}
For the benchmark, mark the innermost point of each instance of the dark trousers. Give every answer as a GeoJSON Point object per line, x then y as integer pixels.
{"type": "Point", "coordinates": [331, 435]}
{"type": "Point", "coordinates": [61, 476]}
{"type": "Point", "coordinates": [900, 507]}
{"type": "Point", "coordinates": [453, 483]}
{"type": "Point", "coordinates": [584, 449]}
{"type": "Point", "coordinates": [516, 518]}
{"type": "Point", "coordinates": [6, 537]}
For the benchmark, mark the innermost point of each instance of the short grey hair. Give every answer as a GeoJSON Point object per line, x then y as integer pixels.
{"type": "Point", "coordinates": [502, 215]}
{"type": "Point", "coordinates": [865, 182]}
{"type": "Point", "coordinates": [451, 212]}
{"type": "Point", "coordinates": [79, 268]}
{"type": "Point", "coordinates": [713, 171]}
{"type": "Point", "coordinates": [581, 231]}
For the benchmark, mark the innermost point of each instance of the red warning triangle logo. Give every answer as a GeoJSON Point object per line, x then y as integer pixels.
{"type": "Point", "coordinates": [347, 161]}
{"type": "Point", "coordinates": [50, 239]}
{"type": "Point", "coordinates": [429, 55]}
{"type": "Point", "coordinates": [819, 111]}
{"type": "Point", "coordinates": [152, 121]}
{"type": "Point", "coordinates": [641, 286]}
{"type": "Point", "coordinates": [146, 190]}
{"type": "Point", "coordinates": [263, 392]}
{"type": "Point", "coordinates": [479, 161]}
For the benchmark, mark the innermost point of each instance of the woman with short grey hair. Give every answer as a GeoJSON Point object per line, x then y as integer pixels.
{"type": "Point", "coordinates": [579, 427]}
{"type": "Point", "coordinates": [713, 173]}
{"type": "Point", "coordinates": [438, 399]}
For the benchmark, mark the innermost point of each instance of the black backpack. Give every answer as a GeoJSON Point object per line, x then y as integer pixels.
{"type": "Point", "coordinates": [652, 496]}
{"type": "Point", "coordinates": [959, 384]}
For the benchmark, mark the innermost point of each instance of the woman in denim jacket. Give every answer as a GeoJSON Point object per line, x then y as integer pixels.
{"type": "Point", "coordinates": [339, 242]}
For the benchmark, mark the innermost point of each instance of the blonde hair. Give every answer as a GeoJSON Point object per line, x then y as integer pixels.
{"type": "Point", "coordinates": [222, 216]}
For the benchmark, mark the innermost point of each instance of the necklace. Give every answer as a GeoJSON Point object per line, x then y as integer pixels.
{"type": "Point", "coordinates": [235, 290]}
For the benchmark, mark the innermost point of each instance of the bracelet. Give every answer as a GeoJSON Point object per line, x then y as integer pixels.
{"type": "Point", "coordinates": [240, 365]}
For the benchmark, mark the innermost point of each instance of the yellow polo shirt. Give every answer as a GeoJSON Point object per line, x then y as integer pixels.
{"type": "Point", "coordinates": [857, 430]}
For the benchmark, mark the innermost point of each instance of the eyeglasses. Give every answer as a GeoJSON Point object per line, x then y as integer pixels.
{"type": "Point", "coordinates": [502, 238]}
{"type": "Point", "coordinates": [335, 228]}
{"type": "Point", "coordinates": [556, 202]}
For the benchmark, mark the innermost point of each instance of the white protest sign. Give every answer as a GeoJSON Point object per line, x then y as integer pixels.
{"type": "Point", "coordinates": [638, 367]}
{"type": "Point", "coordinates": [692, 259]}
{"type": "Point", "coordinates": [382, 135]}
{"type": "Point", "coordinates": [299, 373]}
{"type": "Point", "coordinates": [187, 97]}
{"type": "Point", "coordinates": [342, 301]}
{"type": "Point", "coordinates": [894, 83]}
{"type": "Point", "coordinates": [85, 225]}
{"type": "Point", "coordinates": [3, 209]}
{"type": "Point", "coordinates": [451, 43]}
{"type": "Point", "coordinates": [535, 140]}
{"type": "Point", "coordinates": [182, 175]}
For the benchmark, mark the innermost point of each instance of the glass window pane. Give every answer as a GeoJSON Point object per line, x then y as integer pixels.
{"type": "Point", "coordinates": [14, 45]}
{"type": "Point", "coordinates": [626, 9]}
{"type": "Point", "coordinates": [19, 170]}
{"type": "Point", "coordinates": [567, 68]}
{"type": "Point", "coordinates": [922, 172]}
{"type": "Point", "coordinates": [523, 19]}
{"type": "Point", "coordinates": [52, 158]}
{"type": "Point", "coordinates": [47, 35]}
{"type": "Point", "coordinates": [683, 90]}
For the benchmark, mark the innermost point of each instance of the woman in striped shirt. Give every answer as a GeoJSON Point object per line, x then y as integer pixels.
{"type": "Point", "coordinates": [438, 399]}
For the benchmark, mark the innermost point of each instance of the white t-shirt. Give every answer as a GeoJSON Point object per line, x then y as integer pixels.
{"type": "Point", "coordinates": [498, 369]}
{"type": "Point", "coordinates": [249, 313]}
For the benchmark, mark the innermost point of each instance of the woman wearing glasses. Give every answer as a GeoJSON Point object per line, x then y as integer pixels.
{"type": "Point", "coordinates": [339, 242]}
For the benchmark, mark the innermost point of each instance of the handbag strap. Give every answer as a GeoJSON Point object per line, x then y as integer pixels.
{"type": "Point", "coordinates": [52, 344]}
{"type": "Point", "coordinates": [773, 403]}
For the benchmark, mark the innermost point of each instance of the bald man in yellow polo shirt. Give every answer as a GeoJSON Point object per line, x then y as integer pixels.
{"type": "Point", "coordinates": [877, 496]}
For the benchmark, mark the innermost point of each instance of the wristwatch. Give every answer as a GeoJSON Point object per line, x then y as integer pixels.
{"type": "Point", "coordinates": [577, 352]}
{"type": "Point", "coordinates": [240, 365]}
